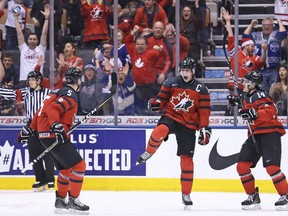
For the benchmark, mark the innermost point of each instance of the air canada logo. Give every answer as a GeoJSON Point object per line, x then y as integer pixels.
{"type": "Point", "coordinates": [182, 102]}
{"type": "Point", "coordinates": [219, 162]}
{"type": "Point", "coordinates": [6, 153]}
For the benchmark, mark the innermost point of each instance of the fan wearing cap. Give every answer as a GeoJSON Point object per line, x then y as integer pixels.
{"type": "Point", "coordinates": [247, 60]}
{"type": "Point", "coordinates": [90, 90]}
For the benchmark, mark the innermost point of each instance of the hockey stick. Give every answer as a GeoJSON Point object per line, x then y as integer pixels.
{"type": "Point", "coordinates": [112, 93]}
{"type": "Point", "coordinates": [237, 89]}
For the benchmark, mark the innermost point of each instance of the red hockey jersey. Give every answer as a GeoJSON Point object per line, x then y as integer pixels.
{"type": "Point", "coordinates": [186, 103]}
{"type": "Point", "coordinates": [267, 120]}
{"type": "Point", "coordinates": [95, 23]}
{"type": "Point", "coordinates": [59, 106]}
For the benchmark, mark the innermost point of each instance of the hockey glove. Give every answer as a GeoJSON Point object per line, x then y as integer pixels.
{"type": "Point", "coordinates": [249, 114]}
{"type": "Point", "coordinates": [61, 138]}
{"type": "Point", "coordinates": [154, 105]}
{"type": "Point", "coordinates": [24, 134]}
{"type": "Point", "coordinates": [204, 136]}
{"type": "Point", "coordinates": [58, 129]}
{"type": "Point", "coordinates": [233, 100]}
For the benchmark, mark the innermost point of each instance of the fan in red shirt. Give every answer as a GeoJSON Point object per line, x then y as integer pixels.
{"type": "Point", "coordinates": [165, 59]}
{"type": "Point", "coordinates": [144, 71]}
{"type": "Point", "coordinates": [95, 25]}
{"type": "Point", "coordinates": [69, 59]}
{"type": "Point", "coordinates": [147, 15]}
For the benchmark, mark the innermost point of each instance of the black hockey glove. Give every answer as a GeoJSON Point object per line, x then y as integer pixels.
{"type": "Point", "coordinates": [154, 105]}
{"type": "Point", "coordinates": [58, 129]}
{"type": "Point", "coordinates": [204, 136]}
{"type": "Point", "coordinates": [249, 114]}
{"type": "Point", "coordinates": [233, 100]}
{"type": "Point", "coordinates": [24, 134]}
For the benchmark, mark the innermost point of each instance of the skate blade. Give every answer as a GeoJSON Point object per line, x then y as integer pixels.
{"type": "Point", "coordinates": [282, 208]}
{"type": "Point", "coordinates": [40, 189]}
{"type": "Point", "coordinates": [187, 207]}
{"type": "Point", "coordinates": [77, 212]}
{"type": "Point", "coordinates": [50, 190]}
{"type": "Point", "coordinates": [61, 211]}
{"type": "Point", "coordinates": [252, 207]}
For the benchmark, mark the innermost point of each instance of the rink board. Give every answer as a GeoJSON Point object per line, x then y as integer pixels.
{"type": "Point", "coordinates": [110, 155]}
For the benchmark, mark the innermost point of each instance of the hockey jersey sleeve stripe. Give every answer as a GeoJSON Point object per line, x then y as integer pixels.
{"type": "Point", "coordinates": [62, 105]}
{"type": "Point", "coordinates": [65, 103]}
{"type": "Point", "coordinates": [204, 100]}
{"type": "Point", "coordinates": [204, 107]}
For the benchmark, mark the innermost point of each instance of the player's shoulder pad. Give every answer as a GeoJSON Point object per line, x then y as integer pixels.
{"type": "Point", "coordinates": [173, 81]}
{"type": "Point", "coordinates": [67, 91]}
{"type": "Point", "coordinates": [200, 87]}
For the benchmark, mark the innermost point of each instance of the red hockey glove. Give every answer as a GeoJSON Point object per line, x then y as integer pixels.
{"type": "Point", "coordinates": [249, 114]}
{"type": "Point", "coordinates": [154, 105]}
{"type": "Point", "coordinates": [24, 134]}
{"type": "Point", "coordinates": [204, 136]}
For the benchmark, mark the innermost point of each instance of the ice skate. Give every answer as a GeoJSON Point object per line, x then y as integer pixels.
{"type": "Point", "coordinates": [61, 205]}
{"type": "Point", "coordinates": [282, 203]}
{"type": "Point", "coordinates": [143, 158]}
{"type": "Point", "coordinates": [39, 187]}
{"type": "Point", "coordinates": [51, 186]}
{"type": "Point", "coordinates": [186, 200]}
{"type": "Point", "coordinates": [75, 206]}
{"type": "Point", "coordinates": [252, 202]}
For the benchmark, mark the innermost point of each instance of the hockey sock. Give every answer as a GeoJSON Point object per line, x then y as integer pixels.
{"type": "Point", "coordinates": [187, 171]}
{"type": "Point", "coordinates": [159, 133]}
{"type": "Point", "coordinates": [76, 178]}
{"type": "Point", "coordinates": [63, 182]}
{"type": "Point", "coordinates": [247, 179]}
{"type": "Point", "coordinates": [278, 178]}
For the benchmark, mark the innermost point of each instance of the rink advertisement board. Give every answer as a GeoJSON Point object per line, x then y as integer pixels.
{"type": "Point", "coordinates": [106, 152]}
{"type": "Point", "coordinates": [132, 121]}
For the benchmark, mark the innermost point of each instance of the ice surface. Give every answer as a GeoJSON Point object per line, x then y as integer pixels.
{"type": "Point", "coordinates": [116, 203]}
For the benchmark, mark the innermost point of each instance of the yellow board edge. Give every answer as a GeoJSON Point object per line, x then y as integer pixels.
{"type": "Point", "coordinates": [144, 184]}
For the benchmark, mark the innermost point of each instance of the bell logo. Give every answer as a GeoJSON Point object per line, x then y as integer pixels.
{"type": "Point", "coordinates": [6, 153]}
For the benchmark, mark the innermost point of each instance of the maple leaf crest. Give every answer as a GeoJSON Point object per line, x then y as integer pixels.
{"type": "Point", "coordinates": [139, 63]}
{"type": "Point", "coordinates": [182, 102]}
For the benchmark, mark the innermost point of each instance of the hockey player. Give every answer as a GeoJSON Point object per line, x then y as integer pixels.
{"type": "Point", "coordinates": [53, 121]}
{"type": "Point", "coordinates": [186, 105]}
{"type": "Point", "coordinates": [261, 112]}
{"type": "Point", "coordinates": [33, 96]}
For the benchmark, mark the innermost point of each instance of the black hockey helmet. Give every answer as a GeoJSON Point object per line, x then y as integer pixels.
{"type": "Point", "coordinates": [72, 75]}
{"type": "Point", "coordinates": [35, 74]}
{"type": "Point", "coordinates": [188, 63]}
{"type": "Point", "coordinates": [254, 77]}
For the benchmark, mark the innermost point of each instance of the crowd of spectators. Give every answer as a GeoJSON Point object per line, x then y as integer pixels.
{"type": "Point", "coordinates": [146, 47]}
